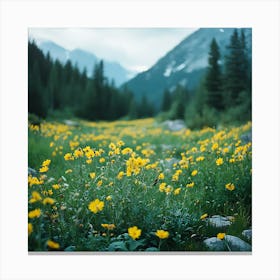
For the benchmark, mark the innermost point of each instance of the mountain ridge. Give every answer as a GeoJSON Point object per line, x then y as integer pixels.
{"type": "Point", "coordinates": [86, 60]}
{"type": "Point", "coordinates": [185, 64]}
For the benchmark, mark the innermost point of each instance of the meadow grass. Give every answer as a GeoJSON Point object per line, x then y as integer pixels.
{"type": "Point", "coordinates": [111, 186]}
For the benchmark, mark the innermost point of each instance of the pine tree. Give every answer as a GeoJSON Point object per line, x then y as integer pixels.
{"type": "Point", "coordinates": [235, 78]}
{"type": "Point", "coordinates": [166, 101]}
{"type": "Point", "coordinates": [213, 82]}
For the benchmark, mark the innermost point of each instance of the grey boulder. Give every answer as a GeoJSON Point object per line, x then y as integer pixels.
{"type": "Point", "coordinates": [230, 243]}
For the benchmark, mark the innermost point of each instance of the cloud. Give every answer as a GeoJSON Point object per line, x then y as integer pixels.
{"type": "Point", "coordinates": [134, 48]}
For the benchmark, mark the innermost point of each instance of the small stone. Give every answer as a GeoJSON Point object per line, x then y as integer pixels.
{"type": "Point", "coordinates": [32, 172]}
{"type": "Point", "coordinates": [70, 123]}
{"type": "Point", "coordinates": [247, 233]}
{"type": "Point", "coordinates": [166, 147]}
{"type": "Point", "coordinates": [237, 244]}
{"type": "Point", "coordinates": [246, 137]}
{"type": "Point", "coordinates": [175, 125]}
{"type": "Point", "coordinates": [51, 180]}
{"type": "Point", "coordinates": [214, 244]}
{"type": "Point", "coordinates": [229, 243]}
{"type": "Point", "coordinates": [219, 221]}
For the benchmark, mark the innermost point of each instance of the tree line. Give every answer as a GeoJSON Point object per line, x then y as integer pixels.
{"type": "Point", "coordinates": [224, 93]}
{"type": "Point", "coordinates": [54, 88]}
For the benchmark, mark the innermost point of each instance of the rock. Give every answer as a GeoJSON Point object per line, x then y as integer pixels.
{"type": "Point", "coordinates": [214, 244]}
{"type": "Point", "coordinates": [166, 147]}
{"type": "Point", "coordinates": [175, 125]}
{"type": "Point", "coordinates": [219, 221]}
{"type": "Point", "coordinates": [32, 172]}
{"type": "Point", "coordinates": [237, 244]}
{"type": "Point", "coordinates": [168, 163]}
{"type": "Point", "coordinates": [230, 243]}
{"type": "Point", "coordinates": [246, 137]}
{"type": "Point", "coordinates": [70, 123]}
{"type": "Point", "coordinates": [51, 180]}
{"type": "Point", "coordinates": [247, 233]}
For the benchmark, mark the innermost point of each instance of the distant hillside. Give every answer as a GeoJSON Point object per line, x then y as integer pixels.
{"type": "Point", "coordinates": [84, 59]}
{"type": "Point", "coordinates": [185, 64]}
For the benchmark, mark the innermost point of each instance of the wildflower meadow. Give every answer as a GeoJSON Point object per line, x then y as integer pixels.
{"type": "Point", "coordinates": [136, 186]}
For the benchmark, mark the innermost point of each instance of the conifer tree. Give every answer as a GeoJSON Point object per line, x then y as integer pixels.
{"type": "Point", "coordinates": [235, 78]}
{"type": "Point", "coordinates": [213, 82]}
{"type": "Point", "coordinates": [166, 101]}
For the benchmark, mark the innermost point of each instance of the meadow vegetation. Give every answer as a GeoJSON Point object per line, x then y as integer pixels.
{"type": "Point", "coordinates": [135, 186]}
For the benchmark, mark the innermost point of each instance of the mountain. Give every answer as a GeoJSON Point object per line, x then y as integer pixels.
{"type": "Point", "coordinates": [83, 59]}
{"type": "Point", "coordinates": [185, 64]}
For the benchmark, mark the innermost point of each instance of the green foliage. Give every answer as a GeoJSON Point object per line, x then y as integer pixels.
{"type": "Point", "coordinates": [136, 200]}
{"type": "Point", "coordinates": [223, 97]}
{"type": "Point", "coordinates": [237, 70]}
{"type": "Point", "coordinates": [166, 101]}
{"type": "Point", "coordinates": [209, 117]}
{"type": "Point", "coordinates": [180, 99]}
{"type": "Point", "coordinates": [213, 82]}
{"type": "Point", "coordinates": [53, 88]}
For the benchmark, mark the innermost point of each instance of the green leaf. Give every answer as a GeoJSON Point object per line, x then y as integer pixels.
{"type": "Point", "coordinates": [117, 246]}
{"type": "Point", "coordinates": [133, 244]}
{"type": "Point", "coordinates": [152, 249]}
{"type": "Point", "coordinates": [70, 248]}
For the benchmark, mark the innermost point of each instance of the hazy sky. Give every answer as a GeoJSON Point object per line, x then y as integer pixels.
{"type": "Point", "coordinates": [134, 48]}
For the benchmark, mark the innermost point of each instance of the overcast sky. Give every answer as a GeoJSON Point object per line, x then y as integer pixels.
{"type": "Point", "coordinates": [134, 48]}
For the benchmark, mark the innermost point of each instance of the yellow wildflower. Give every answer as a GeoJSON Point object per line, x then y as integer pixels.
{"type": "Point", "coordinates": [30, 228]}
{"type": "Point", "coordinates": [53, 245]}
{"type": "Point", "coordinates": [177, 191]}
{"type": "Point", "coordinates": [56, 186]}
{"type": "Point", "coordinates": [120, 143]}
{"type": "Point", "coordinates": [215, 146]}
{"type": "Point", "coordinates": [230, 186]}
{"type": "Point", "coordinates": [43, 169]}
{"type": "Point", "coordinates": [200, 158]}
{"type": "Point", "coordinates": [78, 153]}
{"type": "Point", "coordinates": [221, 235]}
{"type": "Point", "coordinates": [68, 171]}
{"type": "Point", "coordinates": [68, 156]}
{"type": "Point", "coordinates": [162, 187]}
{"type": "Point", "coordinates": [190, 185]}
{"type": "Point", "coordinates": [89, 161]}
{"type": "Point", "coordinates": [96, 206]}
{"type": "Point", "coordinates": [112, 146]}
{"type": "Point", "coordinates": [34, 181]}
{"type": "Point", "coordinates": [202, 148]}
{"type": "Point", "coordinates": [108, 226]}
{"type": "Point", "coordinates": [194, 173]}
{"type": "Point", "coordinates": [92, 175]}
{"type": "Point", "coordinates": [34, 213]}
{"type": "Point", "coordinates": [99, 183]}
{"type": "Point", "coordinates": [35, 197]}
{"type": "Point", "coordinates": [109, 198]}
{"type": "Point", "coordinates": [134, 232]}
{"type": "Point", "coordinates": [168, 189]}
{"type": "Point", "coordinates": [127, 151]}
{"type": "Point", "coordinates": [203, 216]}
{"type": "Point", "coordinates": [46, 162]}
{"type": "Point", "coordinates": [219, 161]}
{"type": "Point", "coordinates": [162, 234]}
{"type": "Point", "coordinates": [161, 176]}
{"type": "Point", "coordinates": [101, 160]}
{"type": "Point", "coordinates": [120, 175]}
{"type": "Point", "coordinates": [48, 200]}
{"type": "Point", "coordinates": [225, 150]}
